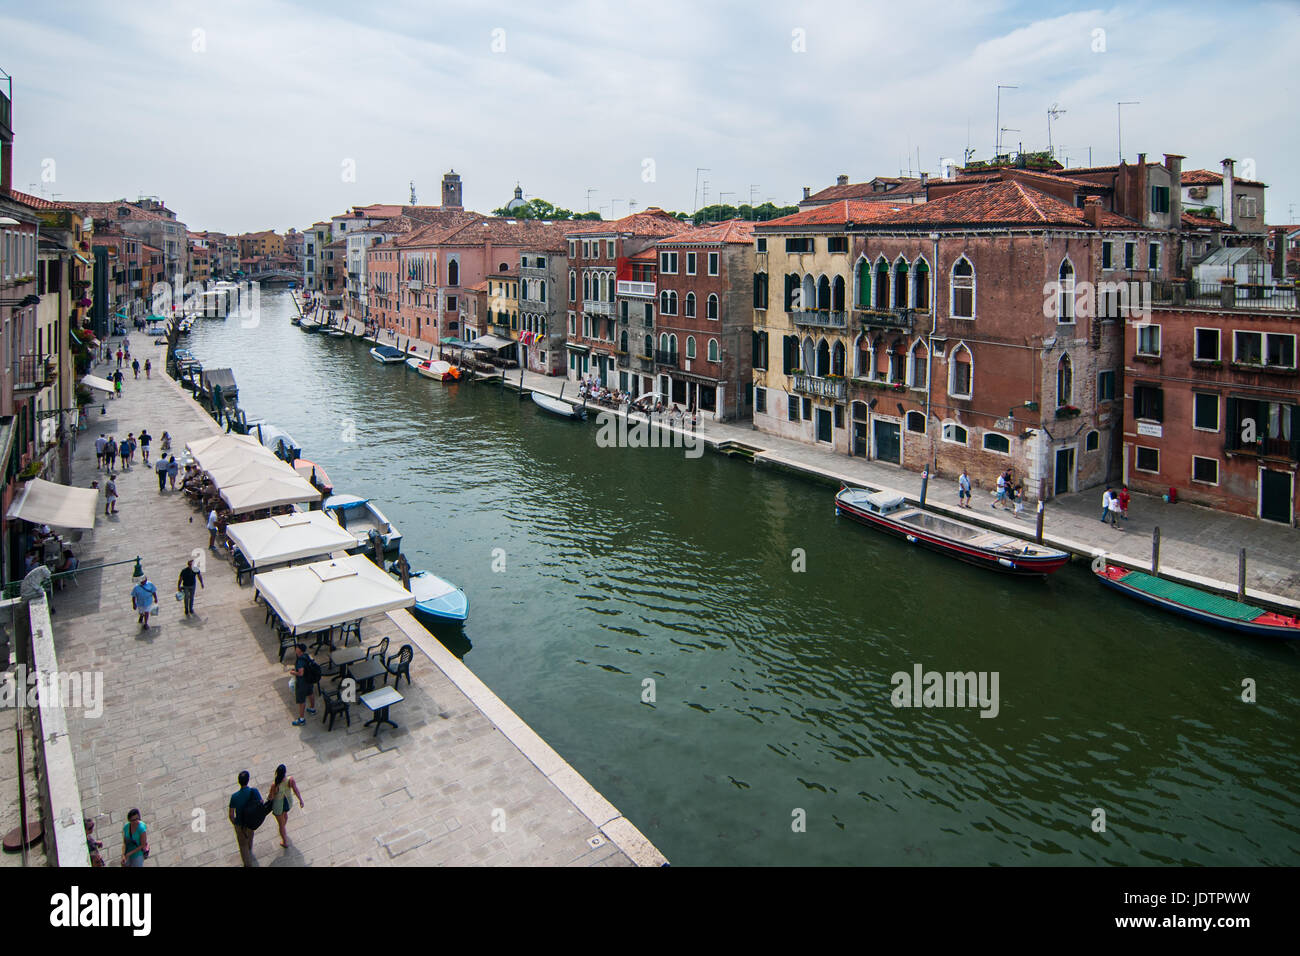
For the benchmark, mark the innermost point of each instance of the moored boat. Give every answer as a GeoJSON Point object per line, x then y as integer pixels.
{"type": "Point", "coordinates": [890, 512]}
{"type": "Point", "coordinates": [1197, 605]}
{"type": "Point", "coordinates": [387, 355]}
{"type": "Point", "coordinates": [309, 325]}
{"type": "Point", "coordinates": [437, 601]}
{"type": "Point", "coordinates": [435, 369]}
{"type": "Point", "coordinates": [360, 516]}
{"type": "Point", "coordinates": [560, 407]}
{"type": "Point", "coordinates": [314, 474]}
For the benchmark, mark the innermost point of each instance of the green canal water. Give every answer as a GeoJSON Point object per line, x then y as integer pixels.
{"type": "Point", "coordinates": [771, 737]}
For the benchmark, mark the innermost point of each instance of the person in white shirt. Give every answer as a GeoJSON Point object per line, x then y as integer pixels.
{"type": "Point", "coordinates": [212, 530]}
{"type": "Point", "coordinates": [1105, 505]}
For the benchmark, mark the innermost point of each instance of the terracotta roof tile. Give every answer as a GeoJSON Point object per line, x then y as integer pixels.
{"type": "Point", "coordinates": [649, 222]}
{"type": "Point", "coordinates": [739, 231]}
{"type": "Point", "coordinates": [36, 202]}
{"type": "Point", "coordinates": [842, 212]}
{"type": "Point", "coordinates": [1208, 177]}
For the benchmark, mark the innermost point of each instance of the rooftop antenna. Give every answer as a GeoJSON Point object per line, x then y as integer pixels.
{"type": "Point", "coordinates": [752, 187]}
{"type": "Point", "coordinates": [1052, 113]}
{"type": "Point", "coordinates": [997, 124]}
{"type": "Point", "coordinates": [1006, 129]}
{"type": "Point", "coordinates": [631, 206]}
{"type": "Point", "coordinates": [590, 190]}
{"type": "Point", "coordinates": [1119, 128]}
{"type": "Point", "coordinates": [696, 200]}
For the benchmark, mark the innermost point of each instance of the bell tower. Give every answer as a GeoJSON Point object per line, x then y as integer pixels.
{"type": "Point", "coordinates": [451, 190]}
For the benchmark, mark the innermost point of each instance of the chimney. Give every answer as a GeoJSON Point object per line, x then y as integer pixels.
{"type": "Point", "coordinates": [1092, 211]}
{"type": "Point", "coordinates": [1229, 189]}
{"type": "Point", "coordinates": [1174, 163]}
{"type": "Point", "coordinates": [807, 191]}
{"type": "Point", "coordinates": [841, 180]}
{"type": "Point", "coordinates": [924, 177]}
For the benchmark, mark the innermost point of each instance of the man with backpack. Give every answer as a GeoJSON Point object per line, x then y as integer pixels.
{"type": "Point", "coordinates": [247, 811]}
{"type": "Point", "coordinates": [306, 675]}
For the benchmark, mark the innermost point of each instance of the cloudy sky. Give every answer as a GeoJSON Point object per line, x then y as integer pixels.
{"type": "Point", "coordinates": [273, 114]}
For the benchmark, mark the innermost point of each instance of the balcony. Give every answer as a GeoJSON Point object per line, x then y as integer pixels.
{"type": "Point", "coordinates": [836, 390]}
{"type": "Point", "coordinates": [666, 358]}
{"type": "Point", "coordinates": [821, 319]}
{"type": "Point", "coordinates": [1252, 296]}
{"type": "Point", "coordinates": [897, 318]}
{"type": "Point", "coordinates": [645, 289]}
{"type": "Point", "coordinates": [597, 307]}
{"type": "Point", "coordinates": [415, 285]}
{"type": "Point", "coordinates": [34, 372]}
{"type": "Point", "coordinates": [643, 363]}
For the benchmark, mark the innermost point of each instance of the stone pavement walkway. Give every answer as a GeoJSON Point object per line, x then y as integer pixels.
{"type": "Point", "coordinates": [1198, 545]}
{"type": "Point", "coordinates": [191, 702]}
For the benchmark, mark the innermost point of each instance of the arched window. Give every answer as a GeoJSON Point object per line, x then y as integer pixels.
{"type": "Point", "coordinates": [1065, 293]}
{"type": "Point", "coordinates": [807, 295]}
{"type": "Point", "coordinates": [453, 272]}
{"type": "Point", "coordinates": [862, 366]}
{"type": "Point", "coordinates": [809, 357]}
{"type": "Point", "coordinates": [837, 359]}
{"type": "Point", "coordinates": [1092, 441]}
{"type": "Point", "coordinates": [961, 372]}
{"type": "Point", "coordinates": [837, 294]}
{"type": "Point", "coordinates": [649, 345]}
{"type": "Point", "coordinates": [713, 350]}
{"type": "Point", "coordinates": [916, 422]}
{"type": "Point", "coordinates": [823, 359]}
{"type": "Point", "coordinates": [953, 432]}
{"type": "Point", "coordinates": [1064, 382]}
{"type": "Point", "coordinates": [690, 346]}
{"type": "Point", "coordinates": [823, 294]}
{"type": "Point", "coordinates": [622, 341]}
{"type": "Point", "coordinates": [690, 305]}
{"type": "Point", "coordinates": [663, 341]}
{"type": "Point", "coordinates": [863, 277]}
{"type": "Point", "coordinates": [998, 443]}
{"type": "Point", "coordinates": [712, 304]}
{"type": "Point", "coordinates": [963, 289]}
{"type": "Point", "coordinates": [672, 345]}
{"type": "Point", "coordinates": [921, 285]}
{"type": "Point", "coordinates": [793, 294]}
{"type": "Point", "coordinates": [667, 302]}
{"type": "Point", "coordinates": [882, 283]}
{"type": "Point", "coordinates": [586, 285]}
{"type": "Point", "coordinates": [918, 366]}
{"type": "Point", "coordinates": [900, 283]}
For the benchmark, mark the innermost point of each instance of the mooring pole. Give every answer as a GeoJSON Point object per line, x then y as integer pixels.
{"type": "Point", "coordinates": [925, 483]}
{"type": "Point", "coordinates": [1155, 551]}
{"type": "Point", "coordinates": [1042, 512]}
{"type": "Point", "coordinates": [1241, 575]}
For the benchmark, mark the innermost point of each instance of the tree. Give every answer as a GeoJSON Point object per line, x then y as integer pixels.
{"type": "Point", "coordinates": [538, 208]}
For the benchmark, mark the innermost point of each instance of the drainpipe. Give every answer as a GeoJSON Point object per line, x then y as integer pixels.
{"type": "Point", "coordinates": [929, 347]}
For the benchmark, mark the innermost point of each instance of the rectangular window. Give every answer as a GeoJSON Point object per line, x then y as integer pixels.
{"type": "Point", "coordinates": [1108, 255]}
{"type": "Point", "coordinates": [713, 263]}
{"type": "Point", "coordinates": [690, 263]}
{"type": "Point", "coordinates": [1205, 470]}
{"type": "Point", "coordinates": [799, 244]}
{"type": "Point", "coordinates": [1106, 386]}
{"type": "Point", "coordinates": [1130, 255]}
{"type": "Point", "coordinates": [1148, 459]}
{"type": "Point", "coordinates": [1153, 256]}
{"type": "Point", "coordinates": [1149, 403]}
{"type": "Point", "coordinates": [839, 416]}
{"type": "Point", "coordinates": [609, 248]}
{"type": "Point", "coordinates": [1148, 340]}
{"type": "Point", "coordinates": [1279, 350]}
{"type": "Point", "coordinates": [1248, 348]}
{"type": "Point", "coordinates": [760, 244]}
{"type": "Point", "coordinates": [807, 409]}
{"type": "Point", "coordinates": [1207, 345]}
{"type": "Point", "coordinates": [573, 248]}
{"type": "Point", "coordinates": [451, 303]}
{"type": "Point", "coordinates": [792, 408]}
{"type": "Point", "coordinates": [668, 263]}
{"type": "Point", "coordinates": [1205, 412]}
{"type": "Point", "coordinates": [760, 400]}
{"type": "Point", "coordinates": [837, 244]}
{"type": "Point", "coordinates": [1159, 198]}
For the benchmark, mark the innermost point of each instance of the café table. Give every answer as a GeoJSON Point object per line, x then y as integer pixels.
{"type": "Point", "coordinates": [378, 702]}
{"type": "Point", "coordinates": [343, 656]}
{"type": "Point", "coordinates": [364, 673]}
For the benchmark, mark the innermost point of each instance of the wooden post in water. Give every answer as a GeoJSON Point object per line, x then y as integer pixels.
{"type": "Point", "coordinates": [1155, 551]}
{"type": "Point", "coordinates": [1241, 575]}
{"type": "Point", "coordinates": [1038, 535]}
{"type": "Point", "coordinates": [925, 483]}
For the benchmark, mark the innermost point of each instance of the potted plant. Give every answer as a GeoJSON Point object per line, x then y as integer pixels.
{"type": "Point", "coordinates": [33, 470]}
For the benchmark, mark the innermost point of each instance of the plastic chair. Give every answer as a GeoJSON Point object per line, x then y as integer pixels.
{"type": "Point", "coordinates": [382, 647]}
{"type": "Point", "coordinates": [334, 705]}
{"type": "Point", "coordinates": [242, 567]}
{"type": "Point", "coordinates": [400, 664]}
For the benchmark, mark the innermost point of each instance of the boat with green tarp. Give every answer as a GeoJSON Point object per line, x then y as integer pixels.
{"type": "Point", "coordinates": [1200, 605]}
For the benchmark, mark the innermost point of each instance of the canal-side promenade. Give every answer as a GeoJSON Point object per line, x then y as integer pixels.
{"type": "Point", "coordinates": [189, 703]}
{"type": "Point", "coordinates": [1198, 545]}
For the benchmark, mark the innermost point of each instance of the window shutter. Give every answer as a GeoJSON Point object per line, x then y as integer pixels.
{"type": "Point", "coordinates": [1160, 404]}
{"type": "Point", "coordinates": [1232, 433]}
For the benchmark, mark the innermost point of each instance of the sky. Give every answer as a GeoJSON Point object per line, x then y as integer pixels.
{"type": "Point", "coordinates": [271, 114]}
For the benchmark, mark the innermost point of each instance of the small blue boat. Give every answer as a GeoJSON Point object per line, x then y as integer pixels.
{"type": "Point", "coordinates": [437, 601]}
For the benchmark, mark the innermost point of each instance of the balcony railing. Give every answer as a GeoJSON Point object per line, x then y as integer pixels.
{"type": "Point", "coordinates": [1225, 295]}
{"type": "Point", "coordinates": [821, 319]}
{"type": "Point", "coordinates": [415, 285]}
{"type": "Point", "coordinates": [666, 358]}
{"type": "Point", "coordinates": [33, 372]}
{"type": "Point", "coordinates": [834, 389]}
{"type": "Point", "coordinates": [627, 287]}
{"type": "Point", "coordinates": [886, 318]}
{"type": "Point", "coordinates": [1264, 447]}
{"type": "Point", "coordinates": [598, 307]}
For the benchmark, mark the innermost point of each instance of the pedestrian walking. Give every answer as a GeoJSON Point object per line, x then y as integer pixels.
{"type": "Point", "coordinates": [148, 365]}
{"type": "Point", "coordinates": [135, 840]}
{"type": "Point", "coordinates": [1018, 496]}
{"type": "Point", "coordinates": [135, 367]}
{"type": "Point", "coordinates": [110, 497]}
{"type": "Point", "coordinates": [110, 454]}
{"type": "Point", "coordinates": [143, 596]}
{"type": "Point", "coordinates": [117, 386]}
{"type": "Point", "coordinates": [306, 673]}
{"type": "Point", "coordinates": [279, 796]}
{"type": "Point", "coordinates": [1114, 511]}
{"type": "Point", "coordinates": [161, 469]}
{"type": "Point", "coordinates": [963, 490]}
{"type": "Point", "coordinates": [93, 846]}
{"type": "Point", "coordinates": [244, 803]}
{"type": "Point", "coordinates": [100, 442]}
{"type": "Point", "coordinates": [119, 356]}
{"type": "Point", "coordinates": [132, 445]}
{"type": "Point", "coordinates": [173, 470]}
{"type": "Point", "coordinates": [165, 446]}
{"type": "Point", "coordinates": [145, 440]}
{"type": "Point", "coordinates": [1001, 496]}
{"type": "Point", "coordinates": [212, 530]}
{"type": "Point", "coordinates": [124, 453]}
{"type": "Point", "coordinates": [1123, 502]}
{"type": "Point", "coordinates": [185, 585]}
{"type": "Point", "coordinates": [126, 345]}
{"type": "Point", "coordinates": [1105, 504]}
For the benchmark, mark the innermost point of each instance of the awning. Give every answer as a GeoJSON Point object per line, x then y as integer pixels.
{"type": "Point", "coordinates": [72, 334]}
{"type": "Point", "coordinates": [315, 596]}
{"type": "Point", "coordinates": [492, 341]}
{"type": "Point", "coordinates": [94, 381]}
{"type": "Point", "coordinates": [60, 506]}
{"type": "Point", "coordinates": [576, 348]}
{"type": "Point", "coordinates": [305, 534]}
{"type": "Point", "coordinates": [452, 340]}
{"type": "Point", "coordinates": [83, 259]}
{"type": "Point", "coordinates": [268, 493]}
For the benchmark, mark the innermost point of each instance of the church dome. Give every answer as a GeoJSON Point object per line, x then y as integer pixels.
{"type": "Point", "coordinates": [518, 200]}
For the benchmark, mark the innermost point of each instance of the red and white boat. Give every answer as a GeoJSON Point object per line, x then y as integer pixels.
{"type": "Point", "coordinates": [435, 369]}
{"type": "Point", "coordinates": [996, 550]}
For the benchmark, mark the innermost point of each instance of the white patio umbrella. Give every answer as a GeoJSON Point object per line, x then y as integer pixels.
{"type": "Point", "coordinates": [94, 381]}
{"type": "Point", "coordinates": [311, 597]}
{"type": "Point", "coordinates": [249, 469]}
{"type": "Point", "coordinates": [281, 538]}
{"type": "Point", "coordinates": [230, 438]}
{"type": "Point", "coordinates": [227, 453]}
{"type": "Point", "coordinates": [268, 493]}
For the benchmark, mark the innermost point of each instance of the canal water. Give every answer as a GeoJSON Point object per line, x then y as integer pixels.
{"type": "Point", "coordinates": [713, 649]}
